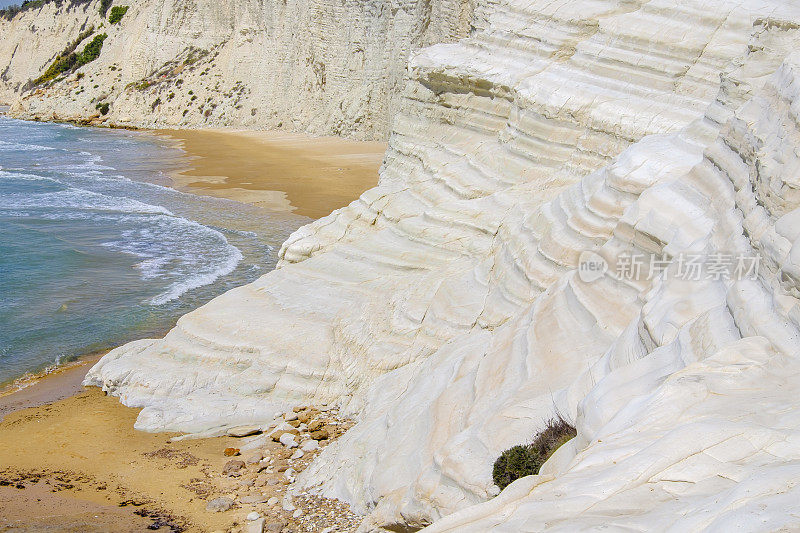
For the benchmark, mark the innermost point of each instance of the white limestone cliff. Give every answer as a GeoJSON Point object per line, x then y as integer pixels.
{"type": "Point", "coordinates": [304, 65]}
{"type": "Point", "coordinates": [444, 309]}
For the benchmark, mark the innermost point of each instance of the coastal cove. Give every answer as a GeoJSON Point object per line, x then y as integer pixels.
{"type": "Point", "coordinates": [50, 426]}
{"type": "Point", "coordinates": [97, 250]}
{"type": "Point", "coordinates": [108, 215]}
{"type": "Point", "coordinates": [554, 286]}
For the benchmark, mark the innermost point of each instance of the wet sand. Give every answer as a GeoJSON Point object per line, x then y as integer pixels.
{"type": "Point", "coordinates": [308, 176]}
{"type": "Point", "coordinates": [45, 388]}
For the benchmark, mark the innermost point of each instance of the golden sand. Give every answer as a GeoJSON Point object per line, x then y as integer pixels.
{"type": "Point", "coordinates": [308, 176]}
{"type": "Point", "coordinates": [86, 448]}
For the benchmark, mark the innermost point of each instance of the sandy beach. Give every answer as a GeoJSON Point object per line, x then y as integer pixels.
{"type": "Point", "coordinates": [64, 463]}
{"type": "Point", "coordinates": [70, 459]}
{"type": "Point", "coordinates": [308, 176]}
{"type": "Point", "coordinates": [78, 465]}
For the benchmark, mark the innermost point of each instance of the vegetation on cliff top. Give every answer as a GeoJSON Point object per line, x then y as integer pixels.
{"type": "Point", "coordinates": [527, 459]}
{"type": "Point", "coordinates": [12, 11]}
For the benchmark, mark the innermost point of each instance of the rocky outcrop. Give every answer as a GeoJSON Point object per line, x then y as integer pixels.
{"type": "Point", "coordinates": [304, 65]}
{"type": "Point", "coordinates": [489, 282]}
{"type": "Point", "coordinates": [684, 422]}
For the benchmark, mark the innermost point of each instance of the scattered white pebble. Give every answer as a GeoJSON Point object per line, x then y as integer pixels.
{"type": "Point", "coordinates": [287, 504]}
{"type": "Point", "coordinates": [272, 501]}
{"type": "Point", "coordinates": [309, 445]}
{"type": "Point", "coordinates": [297, 514]}
{"type": "Point", "coordinates": [256, 526]}
{"type": "Point", "coordinates": [253, 516]}
{"type": "Point", "coordinates": [283, 426]}
{"type": "Point", "coordinates": [288, 440]}
{"type": "Point", "coordinates": [255, 458]}
{"type": "Point", "coordinates": [297, 454]}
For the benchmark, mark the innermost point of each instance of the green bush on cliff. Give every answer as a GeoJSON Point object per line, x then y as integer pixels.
{"type": "Point", "coordinates": [65, 61]}
{"type": "Point", "coordinates": [91, 51]}
{"type": "Point", "coordinates": [68, 60]}
{"type": "Point", "coordinates": [527, 459]}
{"type": "Point", "coordinates": [117, 12]}
{"type": "Point", "coordinates": [61, 64]}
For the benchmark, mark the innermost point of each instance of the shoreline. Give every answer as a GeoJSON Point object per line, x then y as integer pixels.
{"type": "Point", "coordinates": [42, 388]}
{"type": "Point", "coordinates": [205, 154]}
{"type": "Point", "coordinates": [54, 433]}
{"type": "Point", "coordinates": [247, 181]}
{"type": "Point", "coordinates": [58, 381]}
{"type": "Point", "coordinates": [288, 172]}
{"type": "Point", "coordinates": [350, 167]}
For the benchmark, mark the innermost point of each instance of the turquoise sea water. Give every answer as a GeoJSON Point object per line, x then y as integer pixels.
{"type": "Point", "coordinates": [95, 253]}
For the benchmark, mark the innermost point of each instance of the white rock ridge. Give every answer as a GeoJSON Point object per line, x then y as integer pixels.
{"type": "Point", "coordinates": [305, 65]}
{"type": "Point", "coordinates": [444, 309]}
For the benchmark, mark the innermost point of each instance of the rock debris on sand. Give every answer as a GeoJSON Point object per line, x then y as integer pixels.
{"type": "Point", "coordinates": [259, 493]}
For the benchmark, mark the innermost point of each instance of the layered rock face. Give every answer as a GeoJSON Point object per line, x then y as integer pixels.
{"type": "Point", "coordinates": [305, 65]}
{"type": "Point", "coordinates": [549, 184]}
{"type": "Point", "coordinates": [685, 423]}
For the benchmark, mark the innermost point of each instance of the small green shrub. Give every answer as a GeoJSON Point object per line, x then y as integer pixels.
{"type": "Point", "coordinates": [117, 12]}
{"type": "Point", "coordinates": [104, 5]}
{"type": "Point", "coordinates": [527, 459]}
{"type": "Point", "coordinates": [140, 85]}
{"type": "Point", "coordinates": [91, 51]}
{"type": "Point", "coordinates": [103, 108]}
{"type": "Point", "coordinates": [61, 64]}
